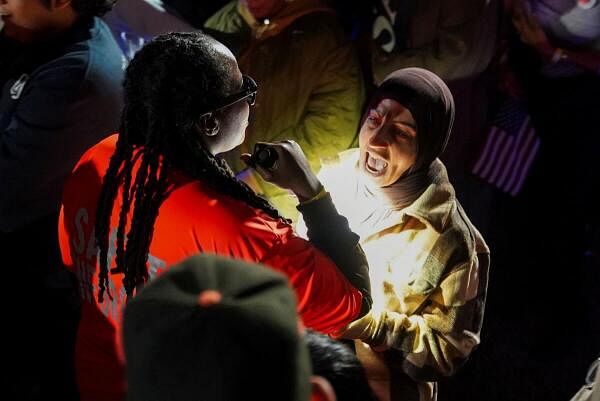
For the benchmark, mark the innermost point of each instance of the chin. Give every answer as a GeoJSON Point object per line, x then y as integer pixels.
{"type": "Point", "coordinates": [17, 33]}
{"type": "Point", "coordinates": [380, 182]}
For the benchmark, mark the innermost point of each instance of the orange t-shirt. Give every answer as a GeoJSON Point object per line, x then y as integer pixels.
{"type": "Point", "coordinates": [193, 219]}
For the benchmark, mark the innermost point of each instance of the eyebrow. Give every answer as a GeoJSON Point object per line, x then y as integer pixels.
{"type": "Point", "coordinates": [407, 124]}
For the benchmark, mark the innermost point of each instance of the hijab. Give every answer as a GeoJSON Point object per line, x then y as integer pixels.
{"type": "Point", "coordinates": [431, 104]}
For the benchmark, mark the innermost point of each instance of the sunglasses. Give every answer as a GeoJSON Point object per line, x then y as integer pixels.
{"type": "Point", "coordinates": [248, 93]}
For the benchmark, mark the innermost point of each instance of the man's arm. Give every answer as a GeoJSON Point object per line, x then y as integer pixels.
{"type": "Point", "coordinates": [58, 116]}
{"type": "Point", "coordinates": [33, 145]}
{"type": "Point", "coordinates": [327, 230]}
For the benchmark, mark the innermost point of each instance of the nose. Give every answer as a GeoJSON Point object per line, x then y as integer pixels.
{"type": "Point", "coordinates": [379, 138]}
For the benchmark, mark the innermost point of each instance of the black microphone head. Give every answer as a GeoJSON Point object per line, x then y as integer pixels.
{"type": "Point", "coordinates": [264, 155]}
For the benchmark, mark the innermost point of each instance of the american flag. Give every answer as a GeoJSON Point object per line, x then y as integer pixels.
{"type": "Point", "coordinates": [510, 149]}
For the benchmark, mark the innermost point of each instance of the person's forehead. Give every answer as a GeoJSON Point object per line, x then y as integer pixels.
{"type": "Point", "coordinates": [391, 104]}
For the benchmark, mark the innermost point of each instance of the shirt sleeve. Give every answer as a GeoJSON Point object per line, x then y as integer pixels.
{"type": "Point", "coordinates": [326, 299]}
{"type": "Point", "coordinates": [439, 336]}
{"type": "Point", "coordinates": [34, 143]}
{"type": "Point", "coordinates": [56, 119]}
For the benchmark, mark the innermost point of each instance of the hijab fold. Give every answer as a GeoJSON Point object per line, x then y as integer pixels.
{"type": "Point", "coordinates": [377, 208]}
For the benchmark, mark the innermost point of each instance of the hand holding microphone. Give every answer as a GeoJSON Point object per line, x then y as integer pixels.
{"type": "Point", "coordinates": [264, 156]}
{"type": "Point", "coordinates": [285, 165]}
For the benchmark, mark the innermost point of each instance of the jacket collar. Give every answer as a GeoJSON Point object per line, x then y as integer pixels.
{"type": "Point", "coordinates": [434, 206]}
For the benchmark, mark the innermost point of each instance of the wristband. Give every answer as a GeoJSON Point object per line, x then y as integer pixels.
{"type": "Point", "coordinates": [320, 195]}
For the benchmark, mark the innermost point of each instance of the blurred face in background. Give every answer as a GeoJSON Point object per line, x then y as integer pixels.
{"type": "Point", "coordinates": [28, 20]}
{"type": "Point", "coordinates": [264, 8]}
{"type": "Point", "coordinates": [23, 18]}
{"type": "Point", "coordinates": [387, 142]}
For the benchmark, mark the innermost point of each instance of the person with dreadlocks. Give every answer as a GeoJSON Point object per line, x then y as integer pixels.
{"type": "Point", "coordinates": [157, 192]}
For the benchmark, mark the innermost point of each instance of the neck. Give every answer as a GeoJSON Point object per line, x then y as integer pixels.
{"type": "Point", "coordinates": [62, 21]}
{"type": "Point", "coordinates": [406, 190]}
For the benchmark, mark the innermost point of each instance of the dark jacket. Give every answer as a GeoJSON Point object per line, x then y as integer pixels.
{"type": "Point", "coordinates": [57, 100]}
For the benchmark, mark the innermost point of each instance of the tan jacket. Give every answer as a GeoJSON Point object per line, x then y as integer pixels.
{"type": "Point", "coordinates": [428, 270]}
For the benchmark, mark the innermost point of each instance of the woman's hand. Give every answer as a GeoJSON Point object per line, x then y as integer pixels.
{"type": "Point", "coordinates": [291, 170]}
{"type": "Point", "coordinates": [530, 31]}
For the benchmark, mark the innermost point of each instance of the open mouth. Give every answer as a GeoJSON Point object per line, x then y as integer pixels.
{"type": "Point", "coordinates": [374, 165]}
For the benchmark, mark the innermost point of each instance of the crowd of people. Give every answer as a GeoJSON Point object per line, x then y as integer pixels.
{"type": "Point", "coordinates": [151, 256]}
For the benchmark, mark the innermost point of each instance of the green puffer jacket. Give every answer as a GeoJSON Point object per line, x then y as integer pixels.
{"type": "Point", "coordinates": [310, 84]}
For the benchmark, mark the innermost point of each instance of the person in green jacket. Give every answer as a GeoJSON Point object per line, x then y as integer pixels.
{"type": "Point", "coordinates": [311, 87]}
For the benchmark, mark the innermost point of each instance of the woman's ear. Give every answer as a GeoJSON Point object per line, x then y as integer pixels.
{"type": "Point", "coordinates": [208, 124]}
{"type": "Point", "coordinates": [322, 390]}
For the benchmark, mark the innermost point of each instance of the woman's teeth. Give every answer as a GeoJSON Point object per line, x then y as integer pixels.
{"type": "Point", "coordinates": [376, 165]}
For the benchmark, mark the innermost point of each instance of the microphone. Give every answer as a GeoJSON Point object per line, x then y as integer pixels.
{"type": "Point", "coordinates": [264, 156]}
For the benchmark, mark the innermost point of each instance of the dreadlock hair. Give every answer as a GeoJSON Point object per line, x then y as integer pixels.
{"type": "Point", "coordinates": [168, 84]}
